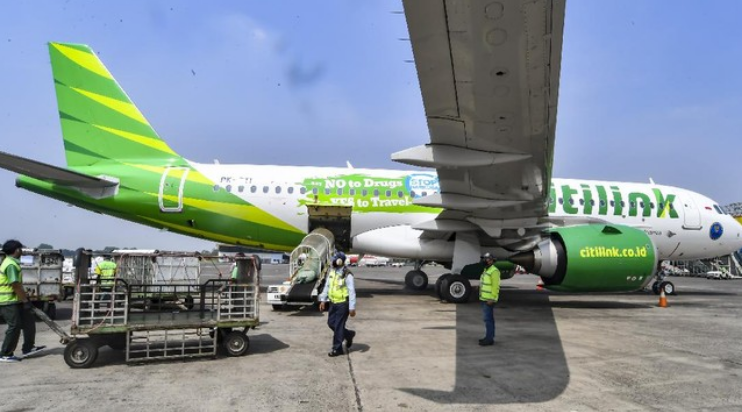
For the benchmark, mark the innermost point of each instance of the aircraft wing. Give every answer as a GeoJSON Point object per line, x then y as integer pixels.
{"type": "Point", "coordinates": [489, 76]}
{"type": "Point", "coordinates": [54, 174]}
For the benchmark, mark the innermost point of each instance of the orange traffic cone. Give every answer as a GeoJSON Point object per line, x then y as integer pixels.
{"type": "Point", "coordinates": [540, 285]}
{"type": "Point", "coordinates": [663, 299]}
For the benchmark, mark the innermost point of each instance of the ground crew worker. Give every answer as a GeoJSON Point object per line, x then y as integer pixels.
{"type": "Point", "coordinates": [340, 290]}
{"type": "Point", "coordinates": [235, 271]}
{"type": "Point", "coordinates": [15, 306]}
{"type": "Point", "coordinates": [106, 272]}
{"type": "Point", "coordinates": [489, 292]}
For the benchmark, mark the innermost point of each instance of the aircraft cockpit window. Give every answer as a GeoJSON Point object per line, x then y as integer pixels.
{"type": "Point", "coordinates": [228, 188]}
{"type": "Point", "coordinates": [216, 188]}
{"type": "Point", "coordinates": [265, 189]}
{"type": "Point", "coordinates": [278, 189]}
{"type": "Point", "coordinates": [718, 209]}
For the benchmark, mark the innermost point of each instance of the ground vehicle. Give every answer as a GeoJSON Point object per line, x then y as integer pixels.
{"type": "Point", "coordinates": [42, 278]}
{"type": "Point", "coordinates": [152, 319]}
{"type": "Point", "coordinates": [717, 275]}
{"type": "Point", "coordinates": [308, 265]}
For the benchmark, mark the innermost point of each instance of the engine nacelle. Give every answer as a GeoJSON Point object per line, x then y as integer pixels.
{"type": "Point", "coordinates": [593, 258]}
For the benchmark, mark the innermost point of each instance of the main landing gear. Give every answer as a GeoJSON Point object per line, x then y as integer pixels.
{"type": "Point", "coordinates": [416, 279]}
{"type": "Point", "coordinates": [453, 288]}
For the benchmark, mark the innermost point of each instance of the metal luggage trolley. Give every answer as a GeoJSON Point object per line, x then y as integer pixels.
{"type": "Point", "coordinates": [151, 317]}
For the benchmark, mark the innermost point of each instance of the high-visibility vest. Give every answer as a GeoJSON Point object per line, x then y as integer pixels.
{"type": "Point", "coordinates": [106, 273]}
{"type": "Point", "coordinates": [489, 284]}
{"type": "Point", "coordinates": [7, 295]}
{"type": "Point", "coordinates": [338, 290]}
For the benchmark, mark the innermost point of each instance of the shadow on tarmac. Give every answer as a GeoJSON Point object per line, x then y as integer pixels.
{"type": "Point", "coordinates": [527, 363]}
{"type": "Point", "coordinates": [265, 343]}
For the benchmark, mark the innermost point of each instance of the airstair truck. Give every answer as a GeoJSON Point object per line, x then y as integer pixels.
{"type": "Point", "coordinates": [308, 266]}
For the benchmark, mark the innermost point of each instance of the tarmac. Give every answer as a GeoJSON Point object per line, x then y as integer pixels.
{"type": "Point", "coordinates": [553, 352]}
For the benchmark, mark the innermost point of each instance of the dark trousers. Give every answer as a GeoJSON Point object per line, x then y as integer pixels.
{"type": "Point", "coordinates": [18, 319]}
{"type": "Point", "coordinates": [336, 319]}
{"type": "Point", "coordinates": [488, 315]}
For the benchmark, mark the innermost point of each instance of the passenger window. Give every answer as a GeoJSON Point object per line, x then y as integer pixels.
{"type": "Point", "coordinates": [352, 192]}
{"type": "Point", "coordinates": [582, 202]}
{"type": "Point", "coordinates": [412, 193]}
{"type": "Point", "coordinates": [216, 188]}
{"type": "Point", "coordinates": [400, 194]}
{"type": "Point", "coordinates": [424, 193]}
{"type": "Point", "coordinates": [623, 204]}
{"type": "Point", "coordinates": [561, 201]}
{"type": "Point", "coordinates": [376, 192]}
{"type": "Point", "coordinates": [253, 189]}
{"type": "Point", "coordinates": [228, 188]}
{"type": "Point", "coordinates": [632, 204]}
{"type": "Point", "coordinates": [340, 192]}
{"type": "Point", "coordinates": [278, 189]}
{"type": "Point", "coordinates": [651, 205]}
{"type": "Point", "coordinates": [290, 190]}
{"type": "Point", "coordinates": [302, 190]}
{"type": "Point", "coordinates": [327, 191]}
{"type": "Point", "coordinates": [364, 193]}
{"type": "Point", "coordinates": [388, 193]}
{"type": "Point", "coordinates": [592, 202]}
{"type": "Point", "coordinates": [315, 191]}
{"type": "Point", "coordinates": [602, 203]}
{"type": "Point", "coordinates": [241, 189]}
{"type": "Point", "coordinates": [265, 189]}
{"type": "Point", "coordinates": [613, 203]}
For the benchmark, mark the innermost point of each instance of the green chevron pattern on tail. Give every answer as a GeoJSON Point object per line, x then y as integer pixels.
{"type": "Point", "coordinates": [99, 121]}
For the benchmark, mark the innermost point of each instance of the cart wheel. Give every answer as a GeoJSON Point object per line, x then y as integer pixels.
{"type": "Point", "coordinates": [222, 332]}
{"type": "Point", "coordinates": [236, 343]}
{"type": "Point", "coordinates": [80, 353]}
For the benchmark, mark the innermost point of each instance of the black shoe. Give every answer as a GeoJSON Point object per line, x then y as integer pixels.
{"type": "Point", "coordinates": [349, 341]}
{"type": "Point", "coordinates": [484, 342]}
{"type": "Point", "coordinates": [334, 353]}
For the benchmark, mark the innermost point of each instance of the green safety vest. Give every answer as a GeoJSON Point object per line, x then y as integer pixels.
{"type": "Point", "coordinates": [338, 290]}
{"type": "Point", "coordinates": [7, 295]}
{"type": "Point", "coordinates": [106, 272]}
{"type": "Point", "coordinates": [489, 284]}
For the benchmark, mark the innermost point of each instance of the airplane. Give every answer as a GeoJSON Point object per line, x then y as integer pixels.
{"type": "Point", "coordinates": [489, 76]}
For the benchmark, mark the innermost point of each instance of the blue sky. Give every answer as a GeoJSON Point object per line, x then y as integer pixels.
{"type": "Point", "coordinates": [648, 89]}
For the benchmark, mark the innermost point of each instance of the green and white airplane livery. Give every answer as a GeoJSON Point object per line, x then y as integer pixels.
{"type": "Point", "coordinates": [578, 235]}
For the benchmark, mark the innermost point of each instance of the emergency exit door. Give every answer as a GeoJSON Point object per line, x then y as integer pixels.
{"type": "Point", "coordinates": [172, 184]}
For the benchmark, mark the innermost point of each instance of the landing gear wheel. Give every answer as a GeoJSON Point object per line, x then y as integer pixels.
{"type": "Point", "coordinates": [456, 289]}
{"type": "Point", "coordinates": [80, 353]}
{"type": "Point", "coordinates": [50, 309]}
{"type": "Point", "coordinates": [656, 288]}
{"type": "Point", "coordinates": [189, 302]}
{"type": "Point", "coordinates": [439, 285]}
{"type": "Point", "coordinates": [416, 280]}
{"type": "Point", "coordinates": [236, 343]}
{"type": "Point", "coordinates": [668, 287]}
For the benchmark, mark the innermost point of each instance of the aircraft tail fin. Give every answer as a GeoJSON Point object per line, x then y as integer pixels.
{"type": "Point", "coordinates": [99, 121]}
